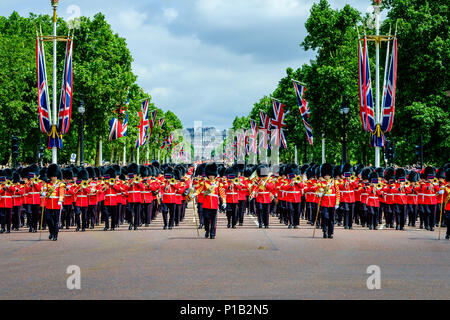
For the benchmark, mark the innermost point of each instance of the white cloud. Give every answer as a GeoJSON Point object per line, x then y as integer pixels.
{"type": "Point", "coordinates": [170, 14]}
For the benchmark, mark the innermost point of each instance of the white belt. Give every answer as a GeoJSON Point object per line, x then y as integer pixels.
{"type": "Point", "coordinates": [266, 192]}
{"type": "Point", "coordinates": [16, 196]}
{"type": "Point", "coordinates": [169, 194]}
{"type": "Point", "coordinates": [347, 191]}
{"type": "Point", "coordinates": [292, 191]}
{"type": "Point", "coordinates": [373, 197]}
{"type": "Point", "coordinates": [81, 196]}
{"type": "Point", "coordinates": [212, 195]}
{"type": "Point", "coordinates": [110, 195]}
{"type": "Point", "coordinates": [364, 194]}
{"type": "Point", "coordinates": [53, 197]}
{"type": "Point", "coordinates": [6, 197]}
{"type": "Point", "coordinates": [134, 191]}
{"type": "Point", "coordinates": [33, 193]}
{"type": "Point", "coordinates": [328, 195]}
{"type": "Point", "coordinates": [231, 193]}
{"type": "Point", "coordinates": [426, 194]}
{"type": "Point", "coordinates": [399, 194]}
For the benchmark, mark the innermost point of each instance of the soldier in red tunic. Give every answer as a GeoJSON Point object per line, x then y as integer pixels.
{"type": "Point", "coordinates": [328, 192]}
{"type": "Point", "coordinates": [112, 188]}
{"type": "Point", "coordinates": [54, 194]}
{"type": "Point", "coordinates": [212, 191]}
{"type": "Point", "coordinates": [67, 212]}
{"type": "Point", "coordinates": [446, 201]}
{"type": "Point", "coordinates": [427, 197]}
{"type": "Point", "coordinates": [81, 192]}
{"type": "Point", "coordinates": [33, 189]}
{"type": "Point", "coordinates": [293, 190]}
{"type": "Point", "coordinates": [17, 201]}
{"type": "Point", "coordinates": [232, 196]}
{"type": "Point", "coordinates": [262, 191]}
{"type": "Point", "coordinates": [6, 203]}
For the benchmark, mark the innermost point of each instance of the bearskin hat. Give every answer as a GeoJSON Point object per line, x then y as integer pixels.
{"type": "Point", "coordinates": [53, 171]}
{"type": "Point", "coordinates": [83, 174]}
{"type": "Point", "coordinates": [326, 170]}
{"type": "Point", "coordinates": [133, 168]}
{"type": "Point", "coordinates": [413, 176]}
{"type": "Point", "coordinates": [365, 173]}
{"type": "Point", "coordinates": [400, 173]}
{"type": "Point", "coordinates": [211, 169]}
{"type": "Point", "coordinates": [67, 174]}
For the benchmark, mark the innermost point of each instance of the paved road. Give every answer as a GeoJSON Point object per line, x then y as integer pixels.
{"type": "Point", "coordinates": [242, 263]}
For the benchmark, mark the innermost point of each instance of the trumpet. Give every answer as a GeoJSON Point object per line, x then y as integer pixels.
{"type": "Point", "coordinates": [137, 179]}
{"type": "Point", "coordinates": [352, 178]}
{"type": "Point", "coordinates": [112, 181]}
{"type": "Point", "coordinates": [8, 183]}
{"type": "Point", "coordinates": [172, 181]}
{"type": "Point", "coordinates": [298, 179]}
{"type": "Point", "coordinates": [35, 180]}
{"type": "Point", "coordinates": [379, 186]}
{"type": "Point", "coordinates": [435, 181]}
{"type": "Point", "coordinates": [407, 183]}
{"type": "Point", "coordinates": [236, 181]}
{"type": "Point", "coordinates": [84, 184]}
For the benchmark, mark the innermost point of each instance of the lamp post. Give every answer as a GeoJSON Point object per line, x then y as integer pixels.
{"type": "Point", "coordinates": [81, 110]}
{"type": "Point", "coordinates": [344, 111]}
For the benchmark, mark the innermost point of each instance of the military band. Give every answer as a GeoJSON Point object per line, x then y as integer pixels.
{"type": "Point", "coordinates": [321, 195]}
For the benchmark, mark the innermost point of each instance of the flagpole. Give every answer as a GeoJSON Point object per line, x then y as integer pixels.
{"type": "Point", "coordinates": [124, 152]}
{"type": "Point", "coordinates": [377, 51]}
{"type": "Point", "coordinates": [55, 117]}
{"type": "Point", "coordinates": [137, 155]}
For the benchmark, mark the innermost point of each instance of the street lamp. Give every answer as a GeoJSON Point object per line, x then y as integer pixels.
{"type": "Point", "coordinates": [344, 111]}
{"type": "Point", "coordinates": [81, 110]}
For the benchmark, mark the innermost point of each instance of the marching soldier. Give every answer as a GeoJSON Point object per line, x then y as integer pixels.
{"type": "Point", "coordinates": [427, 197]}
{"type": "Point", "coordinates": [17, 201]}
{"type": "Point", "coordinates": [6, 203]}
{"type": "Point", "coordinates": [329, 194]}
{"type": "Point", "coordinates": [212, 191]}
{"type": "Point", "coordinates": [446, 201]}
{"type": "Point", "coordinates": [81, 192]}
{"type": "Point", "coordinates": [68, 198]}
{"type": "Point", "coordinates": [111, 191]}
{"type": "Point", "coordinates": [293, 190]}
{"type": "Point", "coordinates": [33, 189]}
{"type": "Point", "coordinates": [232, 197]}
{"type": "Point", "coordinates": [54, 194]}
{"type": "Point", "coordinates": [262, 192]}
{"type": "Point", "coordinates": [134, 189]}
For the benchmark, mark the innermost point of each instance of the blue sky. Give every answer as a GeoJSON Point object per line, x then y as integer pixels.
{"type": "Point", "coordinates": [207, 60]}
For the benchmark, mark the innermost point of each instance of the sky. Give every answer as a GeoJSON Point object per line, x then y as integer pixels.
{"type": "Point", "coordinates": [205, 60]}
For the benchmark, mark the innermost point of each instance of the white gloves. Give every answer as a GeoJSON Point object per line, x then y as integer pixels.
{"type": "Point", "coordinates": [336, 206]}
{"type": "Point", "coordinates": [441, 192]}
{"type": "Point", "coordinates": [59, 203]}
{"type": "Point", "coordinates": [224, 206]}
{"type": "Point", "coordinates": [43, 194]}
{"type": "Point", "coordinates": [320, 194]}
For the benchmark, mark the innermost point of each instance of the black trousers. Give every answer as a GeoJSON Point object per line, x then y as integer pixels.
{"type": "Point", "coordinates": [294, 213]}
{"type": "Point", "coordinates": [200, 213]}
{"type": "Point", "coordinates": [177, 213]}
{"type": "Point", "coordinates": [183, 210]}
{"type": "Point", "coordinates": [400, 215]}
{"type": "Point", "coordinates": [428, 213]}
{"type": "Point", "coordinates": [372, 216]}
{"type": "Point", "coordinates": [347, 210]}
{"type": "Point", "coordinates": [389, 214]}
{"type": "Point", "coordinates": [154, 211]}
{"type": "Point", "coordinates": [446, 216]}
{"type": "Point", "coordinates": [327, 215]}
{"type": "Point", "coordinates": [241, 210]}
{"type": "Point", "coordinates": [83, 212]}
{"type": "Point", "coordinates": [232, 213]}
{"type": "Point", "coordinates": [312, 208]}
{"type": "Point", "coordinates": [210, 218]}
{"type": "Point", "coordinates": [6, 218]}
{"type": "Point", "coordinates": [135, 210]}
{"type": "Point", "coordinates": [16, 217]}
{"type": "Point", "coordinates": [110, 212]}
{"type": "Point", "coordinates": [411, 210]}
{"type": "Point", "coordinates": [52, 217]}
{"type": "Point", "coordinates": [171, 209]}
{"type": "Point", "coordinates": [34, 215]}
{"type": "Point", "coordinates": [147, 209]}
{"type": "Point", "coordinates": [67, 215]}
{"type": "Point", "coordinates": [263, 213]}
{"type": "Point", "coordinates": [92, 215]}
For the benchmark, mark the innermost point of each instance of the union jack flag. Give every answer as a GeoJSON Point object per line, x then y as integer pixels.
{"type": "Point", "coordinates": [304, 109]}
{"type": "Point", "coordinates": [113, 129]}
{"type": "Point", "coordinates": [277, 137]}
{"type": "Point", "coordinates": [152, 123]}
{"type": "Point", "coordinates": [167, 143]}
{"type": "Point", "coordinates": [264, 131]}
{"type": "Point", "coordinates": [42, 89]}
{"type": "Point", "coordinates": [253, 142]}
{"type": "Point", "coordinates": [239, 144]}
{"type": "Point", "coordinates": [65, 105]}
{"type": "Point", "coordinates": [366, 91]}
{"type": "Point", "coordinates": [123, 129]}
{"type": "Point", "coordinates": [161, 122]}
{"type": "Point", "coordinates": [144, 120]}
{"type": "Point", "coordinates": [246, 142]}
{"type": "Point", "coordinates": [142, 131]}
{"type": "Point", "coordinates": [389, 91]}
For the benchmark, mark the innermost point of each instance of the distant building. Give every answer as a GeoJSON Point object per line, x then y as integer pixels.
{"type": "Point", "coordinates": [207, 142]}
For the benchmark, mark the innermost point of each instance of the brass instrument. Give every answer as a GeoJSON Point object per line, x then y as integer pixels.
{"type": "Point", "coordinates": [298, 179]}
{"type": "Point", "coordinates": [210, 189]}
{"type": "Point", "coordinates": [172, 181]}
{"type": "Point", "coordinates": [407, 183]}
{"type": "Point", "coordinates": [35, 180]}
{"type": "Point", "coordinates": [435, 181]}
{"type": "Point", "coordinates": [8, 183]}
{"type": "Point", "coordinates": [352, 178]}
{"type": "Point", "coordinates": [84, 184]}
{"type": "Point", "coordinates": [112, 181]}
{"type": "Point", "coordinates": [137, 179]}
{"type": "Point", "coordinates": [236, 181]}
{"type": "Point", "coordinates": [379, 186]}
